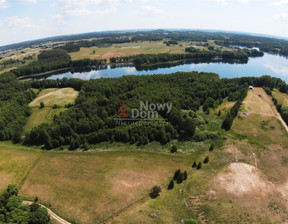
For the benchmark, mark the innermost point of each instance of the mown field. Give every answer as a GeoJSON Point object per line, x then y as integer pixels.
{"type": "Point", "coordinates": [116, 51]}
{"type": "Point", "coordinates": [49, 97]}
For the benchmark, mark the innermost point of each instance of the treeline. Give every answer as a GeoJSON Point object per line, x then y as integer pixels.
{"type": "Point", "coordinates": [241, 55]}
{"type": "Point", "coordinates": [92, 119]}
{"type": "Point", "coordinates": [13, 211]}
{"type": "Point", "coordinates": [53, 60]}
{"type": "Point", "coordinates": [14, 99]}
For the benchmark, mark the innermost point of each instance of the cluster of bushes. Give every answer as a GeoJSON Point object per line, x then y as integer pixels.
{"type": "Point", "coordinates": [13, 211]}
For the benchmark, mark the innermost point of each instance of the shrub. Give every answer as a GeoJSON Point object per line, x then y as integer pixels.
{"type": "Point", "coordinates": [211, 148]}
{"type": "Point", "coordinates": [176, 174]}
{"type": "Point", "coordinates": [155, 192]}
{"type": "Point", "coordinates": [194, 165]}
{"type": "Point", "coordinates": [42, 105]}
{"type": "Point", "coordinates": [173, 149]}
{"type": "Point", "coordinates": [171, 185]}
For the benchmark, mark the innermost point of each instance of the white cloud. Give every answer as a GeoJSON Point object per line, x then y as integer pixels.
{"type": "Point", "coordinates": [59, 19]}
{"type": "Point", "coordinates": [87, 12]}
{"type": "Point", "coordinates": [281, 2]}
{"type": "Point", "coordinates": [279, 70]}
{"type": "Point", "coordinates": [19, 22]}
{"type": "Point", "coordinates": [224, 2]}
{"type": "Point", "coordinates": [244, 1]}
{"type": "Point", "coordinates": [281, 16]}
{"type": "Point", "coordinates": [3, 4]}
{"type": "Point", "coordinates": [151, 9]}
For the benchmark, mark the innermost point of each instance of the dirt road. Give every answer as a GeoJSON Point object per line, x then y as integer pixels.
{"type": "Point", "coordinates": [52, 214]}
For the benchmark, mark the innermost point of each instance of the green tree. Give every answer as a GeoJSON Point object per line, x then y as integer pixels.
{"type": "Point", "coordinates": [180, 178]}
{"type": "Point", "coordinates": [173, 149]}
{"type": "Point", "coordinates": [185, 175]}
{"type": "Point", "coordinates": [155, 192]}
{"type": "Point", "coordinates": [194, 165]}
{"type": "Point", "coordinates": [42, 105]}
{"type": "Point", "coordinates": [199, 166]}
{"type": "Point", "coordinates": [171, 185]}
{"type": "Point", "coordinates": [176, 174]}
{"type": "Point", "coordinates": [211, 148]}
{"type": "Point", "coordinates": [206, 160]}
{"type": "Point", "coordinates": [40, 216]}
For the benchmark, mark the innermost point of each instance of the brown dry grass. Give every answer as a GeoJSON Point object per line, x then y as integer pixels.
{"type": "Point", "coordinates": [90, 186]}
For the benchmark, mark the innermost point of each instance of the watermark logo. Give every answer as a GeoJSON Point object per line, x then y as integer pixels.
{"type": "Point", "coordinates": [123, 111]}
{"type": "Point", "coordinates": [148, 112]}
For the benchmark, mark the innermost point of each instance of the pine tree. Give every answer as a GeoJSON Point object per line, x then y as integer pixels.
{"type": "Point", "coordinates": [199, 166]}
{"type": "Point", "coordinates": [206, 160]}
{"type": "Point", "coordinates": [180, 178]}
{"type": "Point", "coordinates": [211, 148]}
{"type": "Point", "coordinates": [171, 185]}
{"type": "Point", "coordinates": [185, 175]}
{"type": "Point", "coordinates": [176, 174]}
{"type": "Point", "coordinates": [194, 165]}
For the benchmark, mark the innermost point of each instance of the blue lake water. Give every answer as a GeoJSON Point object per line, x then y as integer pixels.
{"type": "Point", "coordinates": [273, 65]}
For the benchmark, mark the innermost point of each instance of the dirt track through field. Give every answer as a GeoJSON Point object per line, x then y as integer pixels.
{"type": "Point", "coordinates": [262, 97]}
{"type": "Point", "coordinates": [53, 216]}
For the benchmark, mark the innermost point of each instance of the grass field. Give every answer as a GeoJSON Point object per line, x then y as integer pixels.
{"type": "Point", "coordinates": [116, 51]}
{"type": "Point", "coordinates": [88, 187]}
{"type": "Point", "coordinates": [282, 98]}
{"type": "Point", "coordinates": [15, 162]}
{"type": "Point", "coordinates": [49, 97]}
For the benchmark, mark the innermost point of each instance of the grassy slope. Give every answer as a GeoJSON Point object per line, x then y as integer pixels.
{"type": "Point", "coordinates": [49, 97]}
{"type": "Point", "coordinates": [15, 162]}
{"type": "Point", "coordinates": [116, 51]}
{"type": "Point", "coordinates": [281, 97]}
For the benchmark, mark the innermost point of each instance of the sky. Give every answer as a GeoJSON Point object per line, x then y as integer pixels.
{"type": "Point", "coordinates": [22, 20]}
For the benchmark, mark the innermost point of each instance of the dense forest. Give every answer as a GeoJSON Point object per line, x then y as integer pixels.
{"type": "Point", "coordinates": [92, 119]}
{"type": "Point", "coordinates": [12, 210]}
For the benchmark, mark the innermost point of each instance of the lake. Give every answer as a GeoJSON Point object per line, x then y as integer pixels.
{"type": "Point", "coordinates": [269, 64]}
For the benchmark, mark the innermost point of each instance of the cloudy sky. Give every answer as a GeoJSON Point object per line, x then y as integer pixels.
{"type": "Point", "coordinates": [22, 20]}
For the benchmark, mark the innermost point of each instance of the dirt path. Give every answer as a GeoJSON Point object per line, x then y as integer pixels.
{"type": "Point", "coordinates": [52, 214]}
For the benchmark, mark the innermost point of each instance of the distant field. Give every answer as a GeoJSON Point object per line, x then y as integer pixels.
{"type": "Point", "coordinates": [117, 51]}
{"type": "Point", "coordinates": [49, 97]}
{"type": "Point", "coordinates": [53, 96]}
{"type": "Point", "coordinates": [282, 98]}
{"type": "Point", "coordinates": [14, 163]}
{"type": "Point", "coordinates": [90, 186]}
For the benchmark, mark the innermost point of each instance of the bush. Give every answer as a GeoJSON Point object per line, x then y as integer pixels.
{"type": "Point", "coordinates": [176, 174]}
{"type": "Point", "coordinates": [206, 160]}
{"type": "Point", "coordinates": [211, 148]}
{"type": "Point", "coordinates": [185, 175]}
{"type": "Point", "coordinates": [173, 149]}
{"type": "Point", "coordinates": [171, 185]}
{"type": "Point", "coordinates": [180, 178]}
{"type": "Point", "coordinates": [155, 192]}
{"type": "Point", "coordinates": [194, 165]}
{"type": "Point", "coordinates": [42, 105]}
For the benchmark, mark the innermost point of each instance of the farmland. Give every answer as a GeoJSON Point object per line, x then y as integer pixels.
{"type": "Point", "coordinates": [117, 50]}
